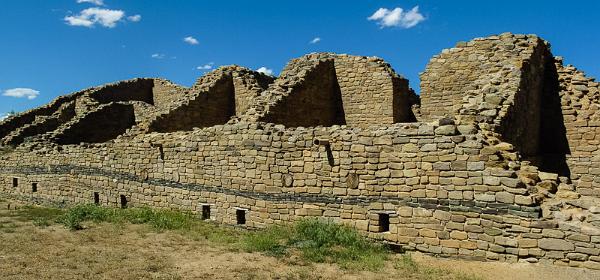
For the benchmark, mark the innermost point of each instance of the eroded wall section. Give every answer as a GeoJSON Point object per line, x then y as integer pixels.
{"type": "Point", "coordinates": [327, 89]}
{"type": "Point", "coordinates": [105, 123]}
{"type": "Point", "coordinates": [316, 101]}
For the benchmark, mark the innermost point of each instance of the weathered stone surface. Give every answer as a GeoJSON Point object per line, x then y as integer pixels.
{"type": "Point", "coordinates": [555, 244]}
{"type": "Point", "coordinates": [446, 130]}
{"type": "Point", "coordinates": [548, 176]}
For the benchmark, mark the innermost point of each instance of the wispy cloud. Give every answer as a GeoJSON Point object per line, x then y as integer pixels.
{"type": "Point", "coordinates": [397, 17]}
{"type": "Point", "coordinates": [315, 40]}
{"type": "Point", "coordinates": [92, 16]}
{"type": "Point", "coordinates": [207, 66]}
{"type": "Point", "coordinates": [95, 2]}
{"type": "Point", "coordinates": [134, 18]}
{"type": "Point", "coordinates": [21, 93]}
{"type": "Point", "coordinates": [191, 40]}
{"type": "Point", "coordinates": [158, 55]}
{"type": "Point", "coordinates": [265, 71]}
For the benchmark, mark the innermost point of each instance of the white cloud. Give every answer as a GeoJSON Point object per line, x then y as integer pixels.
{"type": "Point", "coordinates": [78, 21]}
{"type": "Point", "coordinates": [397, 17]}
{"type": "Point", "coordinates": [265, 70]}
{"type": "Point", "coordinates": [91, 16]}
{"type": "Point", "coordinates": [21, 93]}
{"type": "Point", "coordinates": [3, 116]}
{"type": "Point", "coordinates": [95, 2]}
{"type": "Point", "coordinates": [191, 40]}
{"type": "Point", "coordinates": [134, 18]}
{"type": "Point", "coordinates": [207, 66]}
{"type": "Point", "coordinates": [315, 40]}
{"type": "Point", "coordinates": [158, 55]}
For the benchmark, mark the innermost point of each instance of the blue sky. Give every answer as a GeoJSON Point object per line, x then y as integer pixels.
{"type": "Point", "coordinates": [51, 48]}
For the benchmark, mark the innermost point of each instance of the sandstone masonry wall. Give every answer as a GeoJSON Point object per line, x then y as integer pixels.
{"type": "Point", "coordinates": [132, 90]}
{"type": "Point", "coordinates": [100, 125]}
{"type": "Point", "coordinates": [15, 122]}
{"type": "Point", "coordinates": [502, 164]}
{"type": "Point", "coordinates": [213, 100]}
{"type": "Point", "coordinates": [580, 100]}
{"type": "Point", "coordinates": [441, 191]}
{"type": "Point", "coordinates": [318, 100]}
{"type": "Point", "coordinates": [477, 80]}
{"type": "Point", "coordinates": [371, 93]}
{"type": "Point", "coordinates": [165, 93]}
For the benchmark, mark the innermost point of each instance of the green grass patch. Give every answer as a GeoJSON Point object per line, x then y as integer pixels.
{"type": "Point", "coordinates": [319, 241]}
{"type": "Point", "coordinates": [158, 219]}
{"type": "Point", "coordinates": [40, 216]}
{"type": "Point", "coordinates": [273, 241]}
{"type": "Point", "coordinates": [33, 213]}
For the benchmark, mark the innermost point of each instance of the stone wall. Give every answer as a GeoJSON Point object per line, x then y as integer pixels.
{"type": "Point", "coordinates": [580, 100]}
{"type": "Point", "coordinates": [25, 118]}
{"type": "Point", "coordinates": [42, 124]}
{"type": "Point", "coordinates": [317, 101]}
{"type": "Point", "coordinates": [502, 164]}
{"type": "Point", "coordinates": [514, 95]}
{"type": "Point", "coordinates": [38, 122]}
{"type": "Point", "coordinates": [478, 80]}
{"type": "Point", "coordinates": [441, 190]}
{"type": "Point", "coordinates": [213, 100]}
{"type": "Point", "coordinates": [371, 93]}
{"type": "Point", "coordinates": [132, 90]}
{"type": "Point", "coordinates": [165, 93]}
{"type": "Point", "coordinates": [248, 85]}
{"type": "Point", "coordinates": [100, 125]}
{"type": "Point", "coordinates": [212, 107]}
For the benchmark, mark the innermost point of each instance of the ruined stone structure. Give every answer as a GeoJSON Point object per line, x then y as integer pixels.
{"type": "Point", "coordinates": [497, 159]}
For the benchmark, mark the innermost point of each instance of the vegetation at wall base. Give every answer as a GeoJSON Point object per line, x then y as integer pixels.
{"type": "Point", "coordinates": [317, 240]}
{"type": "Point", "coordinates": [311, 240]}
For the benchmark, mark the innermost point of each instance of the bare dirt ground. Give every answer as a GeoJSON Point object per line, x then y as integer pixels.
{"type": "Point", "coordinates": [509, 271]}
{"type": "Point", "coordinates": [123, 251]}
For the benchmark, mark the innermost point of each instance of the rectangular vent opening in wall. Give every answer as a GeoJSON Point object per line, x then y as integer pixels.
{"type": "Point", "coordinates": [384, 222]}
{"type": "Point", "coordinates": [205, 212]}
{"type": "Point", "coordinates": [240, 216]}
{"type": "Point", "coordinates": [161, 151]}
{"type": "Point", "coordinates": [96, 198]}
{"type": "Point", "coordinates": [15, 182]}
{"type": "Point", "coordinates": [123, 200]}
{"type": "Point", "coordinates": [34, 187]}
